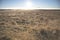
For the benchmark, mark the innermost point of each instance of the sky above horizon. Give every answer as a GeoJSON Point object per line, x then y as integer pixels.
{"type": "Point", "coordinates": [29, 4]}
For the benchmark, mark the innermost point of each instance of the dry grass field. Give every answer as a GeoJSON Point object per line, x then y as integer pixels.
{"type": "Point", "coordinates": [29, 24]}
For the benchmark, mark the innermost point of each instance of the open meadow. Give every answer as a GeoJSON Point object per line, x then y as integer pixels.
{"type": "Point", "coordinates": [29, 24]}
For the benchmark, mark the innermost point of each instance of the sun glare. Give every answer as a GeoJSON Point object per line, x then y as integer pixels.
{"type": "Point", "coordinates": [28, 4]}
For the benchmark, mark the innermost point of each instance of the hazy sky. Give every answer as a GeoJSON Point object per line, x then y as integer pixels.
{"type": "Point", "coordinates": [29, 4]}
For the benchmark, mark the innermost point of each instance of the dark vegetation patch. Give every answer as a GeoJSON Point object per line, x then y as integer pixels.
{"type": "Point", "coordinates": [46, 34]}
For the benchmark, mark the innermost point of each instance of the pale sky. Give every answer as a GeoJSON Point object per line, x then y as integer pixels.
{"type": "Point", "coordinates": [29, 4]}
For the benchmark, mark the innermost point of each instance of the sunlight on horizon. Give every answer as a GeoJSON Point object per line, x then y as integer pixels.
{"type": "Point", "coordinates": [29, 4]}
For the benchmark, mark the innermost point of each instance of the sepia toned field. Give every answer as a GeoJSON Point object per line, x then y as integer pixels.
{"type": "Point", "coordinates": [29, 24]}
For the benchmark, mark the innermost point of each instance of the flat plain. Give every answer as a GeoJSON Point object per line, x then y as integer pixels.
{"type": "Point", "coordinates": [29, 24]}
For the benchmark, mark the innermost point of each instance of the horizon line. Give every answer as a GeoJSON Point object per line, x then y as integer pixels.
{"type": "Point", "coordinates": [30, 8]}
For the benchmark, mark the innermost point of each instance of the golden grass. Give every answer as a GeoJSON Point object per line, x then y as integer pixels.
{"type": "Point", "coordinates": [30, 25]}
